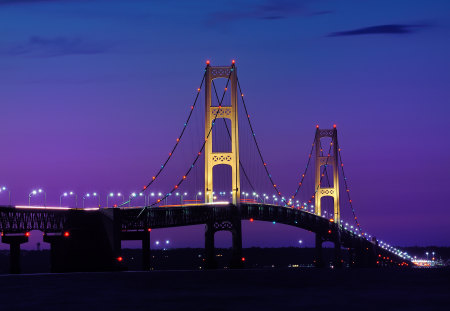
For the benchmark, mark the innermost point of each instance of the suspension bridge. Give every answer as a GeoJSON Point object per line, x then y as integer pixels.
{"type": "Point", "coordinates": [89, 239]}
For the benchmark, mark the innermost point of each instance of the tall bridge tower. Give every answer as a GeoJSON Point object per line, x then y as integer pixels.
{"type": "Point", "coordinates": [231, 158]}
{"type": "Point", "coordinates": [214, 113]}
{"type": "Point", "coordinates": [327, 160]}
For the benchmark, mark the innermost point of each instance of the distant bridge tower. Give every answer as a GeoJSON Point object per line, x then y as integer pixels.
{"type": "Point", "coordinates": [326, 160]}
{"type": "Point", "coordinates": [231, 112]}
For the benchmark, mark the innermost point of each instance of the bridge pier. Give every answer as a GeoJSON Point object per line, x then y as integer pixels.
{"type": "Point", "coordinates": [54, 241]}
{"type": "Point", "coordinates": [14, 242]}
{"type": "Point", "coordinates": [211, 228]}
{"type": "Point", "coordinates": [146, 250]}
{"type": "Point", "coordinates": [337, 254]}
{"type": "Point", "coordinates": [318, 260]}
{"type": "Point", "coordinates": [144, 236]}
{"type": "Point", "coordinates": [337, 250]}
{"type": "Point", "coordinates": [236, 257]}
{"type": "Point", "coordinates": [90, 241]}
{"type": "Point", "coordinates": [210, 254]}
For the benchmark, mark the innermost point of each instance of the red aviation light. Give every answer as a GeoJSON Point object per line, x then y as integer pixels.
{"type": "Point", "coordinates": [119, 259]}
{"type": "Point", "coordinates": [251, 219]}
{"type": "Point", "coordinates": [27, 234]}
{"type": "Point", "coordinates": [334, 126]}
{"type": "Point", "coordinates": [66, 234]}
{"type": "Point", "coordinates": [207, 62]}
{"type": "Point", "coordinates": [149, 229]}
{"type": "Point", "coordinates": [243, 259]}
{"type": "Point", "coordinates": [233, 62]}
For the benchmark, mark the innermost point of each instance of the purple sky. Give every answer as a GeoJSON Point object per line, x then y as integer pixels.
{"type": "Point", "coordinates": [94, 93]}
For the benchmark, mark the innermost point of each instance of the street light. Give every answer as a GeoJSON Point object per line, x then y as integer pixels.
{"type": "Point", "coordinates": [94, 194]}
{"type": "Point", "coordinates": [300, 242]}
{"type": "Point", "coordinates": [198, 193]}
{"type": "Point", "coordinates": [9, 193]}
{"type": "Point", "coordinates": [120, 195]}
{"type": "Point", "coordinates": [148, 198]}
{"type": "Point", "coordinates": [111, 195]}
{"type": "Point", "coordinates": [166, 197]}
{"type": "Point", "coordinates": [107, 198]}
{"type": "Point", "coordinates": [134, 195]}
{"type": "Point", "coordinates": [66, 194]}
{"type": "Point", "coordinates": [183, 194]}
{"type": "Point", "coordinates": [35, 193]}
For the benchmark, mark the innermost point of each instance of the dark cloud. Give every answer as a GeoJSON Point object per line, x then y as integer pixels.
{"type": "Point", "coordinates": [50, 47]}
{"type": "Point", "coordinates": [380, 29]}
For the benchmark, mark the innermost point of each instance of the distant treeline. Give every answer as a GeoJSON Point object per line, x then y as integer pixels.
{"type": "Point", "coordinates": [192, 258]}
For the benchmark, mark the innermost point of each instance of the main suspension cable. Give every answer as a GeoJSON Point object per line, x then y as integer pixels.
{"type": "Point", "coordinates": [348, 191]}
{"type": "Point", "coordinates": [257, 145]}
{"type": "Point", "coordinates": [163, 166]}
{"type": "Point", "coordinates": [305, 171]}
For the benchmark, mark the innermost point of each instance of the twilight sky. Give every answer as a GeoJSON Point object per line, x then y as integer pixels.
{"type": "Point", "coordinates": [94, 92]}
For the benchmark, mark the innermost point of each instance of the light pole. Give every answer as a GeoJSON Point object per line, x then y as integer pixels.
{"type": "Point", "coordinates": [110, 195]}
{"type": "Point", "coordinates": [183, 194]}
{"type": "Point", "coordinates": [148, 198]}
{"type": "Point", "coordinates": [159, 196]}
{"type": "Point", "coordinates": [88, 195]}
{"type": "Point", "coordinates": [300, 242]}
{"type": "Point", "coordinates": [36, 192]}
{"type": "Point", "coordinates": [134, 195]}
{"type": "Point", "coordinates": [426, 253]}
{"type": "Point", "coordinates": [9, 193]}
{"type": "Point", "coordinates": [66, 194]}
{"type": "Point", "coordinates": [120, 195]}
{"type": "Point", "coordinates": [197, 194]}
{"type": "Point", "coordinates": [167, 197]}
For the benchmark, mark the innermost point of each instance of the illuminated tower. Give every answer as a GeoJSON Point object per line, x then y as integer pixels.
{"type": "Point", "coordinates": [217, 112]}
{"type": "Point", "coordinates": [327, 160]}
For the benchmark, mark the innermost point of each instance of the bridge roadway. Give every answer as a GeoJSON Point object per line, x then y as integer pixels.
{"type": "Point", "coordinates": [117, 224]}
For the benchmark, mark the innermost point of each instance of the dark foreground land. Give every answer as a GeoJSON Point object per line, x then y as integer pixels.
{"type": "Point", "coordinates": [265, 289]}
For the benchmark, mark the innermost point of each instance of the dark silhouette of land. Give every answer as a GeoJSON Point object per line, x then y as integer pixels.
{"type": "Point", "coordinates": [192, 258]}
